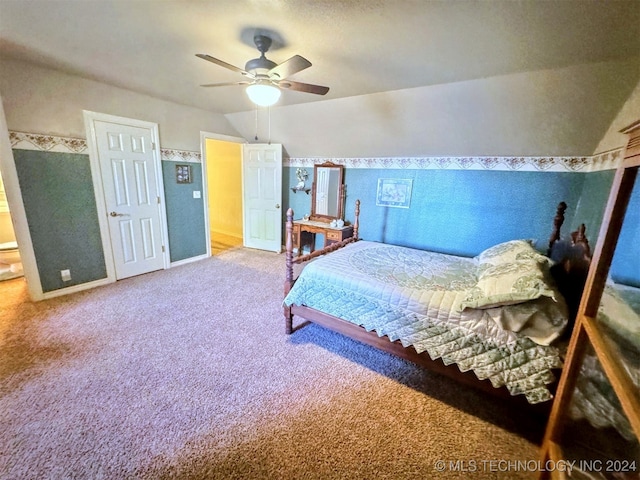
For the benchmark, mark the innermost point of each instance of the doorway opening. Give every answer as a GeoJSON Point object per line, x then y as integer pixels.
{"type": "Point", "coordinates": [10, 261]}
{"type": "Point", "coordinates": [222, 160]}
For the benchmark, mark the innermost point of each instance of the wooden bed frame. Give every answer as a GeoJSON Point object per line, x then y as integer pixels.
{"type": "Point", "coordinates": [570, 275]}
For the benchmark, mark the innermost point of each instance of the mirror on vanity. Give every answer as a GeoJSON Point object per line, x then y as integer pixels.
{"type": "Point", "coordinates": [327, 193]}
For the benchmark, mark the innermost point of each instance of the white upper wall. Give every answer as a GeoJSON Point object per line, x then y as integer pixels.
{"type": "Point", "coordinates": [40, 100]}
{"type": "Point", "coordinates": [557, 112]}
{"type": "Point", "coordinates": [544, 113]}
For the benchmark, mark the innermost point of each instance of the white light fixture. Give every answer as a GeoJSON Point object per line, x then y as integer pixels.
{"type": "Point", "coordinates": [262, 94]}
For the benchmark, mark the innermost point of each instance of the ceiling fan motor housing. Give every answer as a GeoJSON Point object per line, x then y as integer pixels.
{"type": "Point", "coordinates": [259, 63]}
{"type": "Point", "coordinates": [262, 43]}
{"type": "Point", "coordinates": [262, 72]}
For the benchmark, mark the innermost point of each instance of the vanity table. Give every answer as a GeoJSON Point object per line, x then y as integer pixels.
{"type": "Point", "coordinates": [327, 206]}
{"type": "Point", "coordinates": [304, 233]}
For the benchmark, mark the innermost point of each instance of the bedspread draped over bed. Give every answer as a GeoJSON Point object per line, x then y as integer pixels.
{"type": "Point", "coordinates": [415, 296]}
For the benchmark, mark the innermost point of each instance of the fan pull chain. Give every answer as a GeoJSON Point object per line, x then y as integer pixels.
{"type": "Point", "coordinates": [256, 138]}
{"type": "Point", "coordinates": [269, 112]}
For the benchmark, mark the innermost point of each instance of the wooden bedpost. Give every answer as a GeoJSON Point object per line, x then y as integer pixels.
{"type": "Point", "coordinates": [558, 220]}
{"type": "Point", "coordinates": [356, 221]}
{"type": "Point", "coordinates": [290, 261]}
{"type": "Point", "coordinates": [288, 283]}
{"type": "Point", "coordinates": [579, 238]}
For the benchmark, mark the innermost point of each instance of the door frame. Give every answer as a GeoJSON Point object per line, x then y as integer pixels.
{"type": "Point", "coordinates": [98, 186]}
{"type": "Point", "coordinates": [204, 136]}
{"type": "Point", "coordinates": [18, 213]}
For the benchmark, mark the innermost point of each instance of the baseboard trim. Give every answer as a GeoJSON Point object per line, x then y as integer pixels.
{"type": "Point", "coordinates": [188, 260]}
{"type": "Point", "coordinates": [76, 288]}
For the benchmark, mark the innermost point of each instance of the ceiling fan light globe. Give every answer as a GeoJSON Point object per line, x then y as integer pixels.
{"type": "Point", "coordinates": [263, 95]}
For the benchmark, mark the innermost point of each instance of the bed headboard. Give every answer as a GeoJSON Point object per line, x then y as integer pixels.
{"type": "Point", "coordinates": [573, 258]}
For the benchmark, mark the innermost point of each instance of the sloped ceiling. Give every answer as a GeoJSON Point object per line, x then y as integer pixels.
{"type": "Point", "coordinates": [357, 47]}
{"type": "Point", "coordinates": [560, 112]}
{"type": "Point", "coordinates": [456, 77]}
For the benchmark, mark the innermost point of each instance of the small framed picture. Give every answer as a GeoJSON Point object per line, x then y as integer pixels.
{"type": "Point", "coordinates": [183, 174]}
{"type": "Point", "coordinates": [394, 192]}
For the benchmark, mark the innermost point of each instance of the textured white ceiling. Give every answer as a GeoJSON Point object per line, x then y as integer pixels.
{"type": "Point", "coordinates": [357, 47]}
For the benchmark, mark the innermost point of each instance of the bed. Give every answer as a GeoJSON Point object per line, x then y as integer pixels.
{"type": "Point", "coordinates": [447, 313]}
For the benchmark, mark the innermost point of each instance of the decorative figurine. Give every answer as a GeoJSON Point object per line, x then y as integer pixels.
{"type": "Point", "coordinates": [302, 176]}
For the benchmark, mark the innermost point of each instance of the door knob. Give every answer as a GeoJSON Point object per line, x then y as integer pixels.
{"type": "Point", "coordinates": [114, 214]}
{"type": "Point", "coordinates": [277, 205]}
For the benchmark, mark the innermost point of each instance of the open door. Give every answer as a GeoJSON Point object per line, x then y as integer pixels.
{"type": "Point", "coordinates": [262, 194]}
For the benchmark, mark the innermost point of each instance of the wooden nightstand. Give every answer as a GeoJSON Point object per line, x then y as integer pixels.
{"type": "Point", "coordinates": [304, 233]}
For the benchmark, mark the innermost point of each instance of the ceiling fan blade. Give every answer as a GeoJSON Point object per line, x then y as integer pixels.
{"type": "Point", "coordinates": [225, 84]}
{"type": "Point", "coordinates": [287, 68]}
{"type": "Point", "coordinates": [303, 87]}
{"type": "Point", "coordinates": [233, 68]}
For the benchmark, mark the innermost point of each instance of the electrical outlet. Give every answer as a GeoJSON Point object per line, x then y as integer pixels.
{"type": "Point", "coordinates": [196, 194]}
{"type": "Point", "coordinates": [66, 275]}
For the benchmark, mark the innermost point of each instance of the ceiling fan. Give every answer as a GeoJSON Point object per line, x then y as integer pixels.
{"type": "Point", "coordinates": [264, 77]}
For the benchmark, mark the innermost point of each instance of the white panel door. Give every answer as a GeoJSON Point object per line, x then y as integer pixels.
{"type": "Point", "coordinates": [262, 195]}
{"type": "Point", "coordinates": [130, 181]}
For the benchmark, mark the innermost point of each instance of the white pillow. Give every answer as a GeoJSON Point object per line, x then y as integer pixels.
{"type": "Point", "coordinates": [510, 252]}
{"type": "Point", "coordinates": [510, 283]}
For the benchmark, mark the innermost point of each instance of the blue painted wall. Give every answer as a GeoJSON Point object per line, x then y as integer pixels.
{"type": "Point", "coordinates": [58, 197]}
{"type": "Point", "coordinates": [61, 212]}
{"type": "Point", "coordinates": [452, 211]}
{"type": "Point", "coordinates": [465, 211]}
{"type": "Point", "coordinates": [625, 267]}
{"type": "Point", "coordinates": [461, 211]}
{"type": "Point", "coordinates": [593, 200]}
{"type": "Point", "coordinates": [185, 214]}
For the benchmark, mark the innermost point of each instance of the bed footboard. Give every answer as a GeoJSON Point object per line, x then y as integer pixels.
{"type": "Point", "coordinates": [290, 261]}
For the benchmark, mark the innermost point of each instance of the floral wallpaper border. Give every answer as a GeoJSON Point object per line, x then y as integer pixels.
{"type": "Point", "coordinates": [53, 143]}
{"type": "Point", "coordinates": [171, 155]}
{"type": "Point", "coordinates": [47, 143]}
{"type": "Point", "coordinates": [604, 161]}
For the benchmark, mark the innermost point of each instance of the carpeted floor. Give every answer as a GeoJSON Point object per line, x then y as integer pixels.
{"type": "Point", "coordinates": [186, 373]}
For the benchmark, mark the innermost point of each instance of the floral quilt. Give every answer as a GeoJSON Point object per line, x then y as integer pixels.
{"type": "Point", "coordinates": [416, 297]}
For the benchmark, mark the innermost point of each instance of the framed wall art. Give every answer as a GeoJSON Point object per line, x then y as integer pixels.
{"type": "Point", "coordinates": [394, 192]}
{"type": "Point", "coordinates": [183, 174]}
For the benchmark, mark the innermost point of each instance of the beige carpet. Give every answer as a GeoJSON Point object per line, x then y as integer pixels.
{"type": "Point", "coordinates": [186, 373]}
